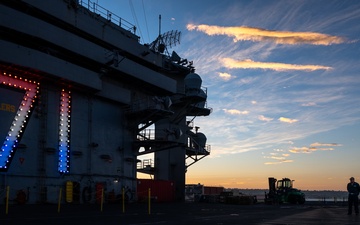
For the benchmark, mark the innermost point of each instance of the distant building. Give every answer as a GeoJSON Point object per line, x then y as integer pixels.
{"type": "Point", "coordinates": [81, 99]}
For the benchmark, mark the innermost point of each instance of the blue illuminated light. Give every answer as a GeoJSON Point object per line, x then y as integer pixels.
{"type": "Point", "coordinates": [64, 132]}
{"type": "Point", "coordinates": [16, 130]}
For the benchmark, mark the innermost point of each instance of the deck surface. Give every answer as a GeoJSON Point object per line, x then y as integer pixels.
{"type": "Point", "coordinates": [177, 213]}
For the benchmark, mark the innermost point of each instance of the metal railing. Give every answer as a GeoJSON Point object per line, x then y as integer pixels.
{"type": "Point", "coordinates": [99, 10]}
{"type": "Point", "coordinates": [145, 163]}
{"type": "Point", "coordinates": [146, 134]}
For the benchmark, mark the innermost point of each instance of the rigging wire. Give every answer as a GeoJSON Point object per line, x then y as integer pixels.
{"type": "Point", "coordinates": [135, 18]}
{"type": "Point", "coordinates": [147, 27]}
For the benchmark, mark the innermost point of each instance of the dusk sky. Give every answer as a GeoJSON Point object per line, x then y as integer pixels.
{"type": "Point", "coordinates": [283, 80]}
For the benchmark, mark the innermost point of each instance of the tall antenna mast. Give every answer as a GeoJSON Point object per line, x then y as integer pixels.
{"type": "Point", "coordinates": [159, 24]}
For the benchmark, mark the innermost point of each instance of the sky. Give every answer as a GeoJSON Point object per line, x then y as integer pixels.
{"type": "Point", "coordinates": [283, 82]}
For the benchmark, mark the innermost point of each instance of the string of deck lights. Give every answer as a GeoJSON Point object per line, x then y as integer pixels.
{"type": "Point", "coordinates": [64, 132]}
{"type": "Point", "coordinates": [14, 135]}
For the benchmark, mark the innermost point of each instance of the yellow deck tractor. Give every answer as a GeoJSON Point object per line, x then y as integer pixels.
{"type": "Point", "coordinates": [282, 191]}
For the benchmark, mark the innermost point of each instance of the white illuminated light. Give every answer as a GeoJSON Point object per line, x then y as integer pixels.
{"type": "Point", "coordinates": [16, 130]}
{"type": "Point", "coordinates": [64, 132]}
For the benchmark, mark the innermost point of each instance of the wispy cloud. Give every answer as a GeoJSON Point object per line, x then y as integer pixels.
{"type": "Point", "coordinates": [249, 64]}
{"type": "Point", "coordinates": [243, 33]}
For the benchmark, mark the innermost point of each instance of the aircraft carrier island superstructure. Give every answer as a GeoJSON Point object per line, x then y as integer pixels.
{"type": "Point", "coordinates": [81, 100]}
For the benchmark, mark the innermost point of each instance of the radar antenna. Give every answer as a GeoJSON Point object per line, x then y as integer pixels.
{"type": "Point", "coordinates": [165, 40]}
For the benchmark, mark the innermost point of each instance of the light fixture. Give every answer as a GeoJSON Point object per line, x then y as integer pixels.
{"type": "Point", "coordinates": [16, 129]}
{"type": "Point", "coordinates": [64, 132]}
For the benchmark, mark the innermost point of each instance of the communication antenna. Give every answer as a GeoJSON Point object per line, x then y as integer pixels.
{"type": "Point", "coordinates": [165, 40]}
{"type": "Point", "coordinates": [159, 24]}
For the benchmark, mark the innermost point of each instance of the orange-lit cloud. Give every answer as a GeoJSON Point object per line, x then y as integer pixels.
{"type": "Point", "coordinates": [249, 64]}
{"type": "Point", "coordinates": [277, 157]}
{"type": "Point", "coordinates": [225, 76]}
{"type": "Point", "coordinates": [235, 112]}
{"type": "Point", "coordinates": [243, 33]}
{"type": "Point", "coordinates": [315, 147]}
{"type": "Point", "coordinates": [278, 162]}
{"type": "Point", "coordinates": [303, 150]}
{"type": "Point", "coordinates": [287, 120]}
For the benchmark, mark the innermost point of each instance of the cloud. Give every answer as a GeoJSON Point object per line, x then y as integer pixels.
{"type": "Point", "coordinates": [317, 146]}
{"type": "Point", "coordinates": [302, 150]}
{"type": "Point", "coordinates": [263, 118]}
{"type": "Point", "coordinates": [235, 112]}
{"type": "Point", "coordinates": [279, 162]}
{"type": "Point", "coordinates": [308, 104]}
{"type": "Point", "coordinates": [243, 33]}
{"type": "Point", "coordinates": [278, 157]}
{"type": "Point", "coordinates": [225, 76]}
{"type": "Point", "coordinates": [287, 120]}
{"type": "Point", "coordinates": [249, 64]}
